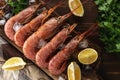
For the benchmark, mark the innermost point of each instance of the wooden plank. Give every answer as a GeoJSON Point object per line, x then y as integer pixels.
{"type": "Point", "coordinates": [85, 22]}
{"type": "Point", "coordinates": [109, 67]}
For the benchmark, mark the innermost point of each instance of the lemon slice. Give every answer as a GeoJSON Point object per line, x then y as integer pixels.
{"type": "Point", "coordinates": [88, 56]}
{"type": "Point", "coordinates": [76, 4]}
{"type": "Point", "coordinates": [73, 71]}
{"type": "Point", "coordinates": [14, 63]}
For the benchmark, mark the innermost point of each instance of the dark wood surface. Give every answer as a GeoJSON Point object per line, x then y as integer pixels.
{"type": "Point", "coordinates": [86, 21]}
{"type": "Point", "coordinates": [110, 66]}
{"type": "Point", "coordinates": [110, 63]}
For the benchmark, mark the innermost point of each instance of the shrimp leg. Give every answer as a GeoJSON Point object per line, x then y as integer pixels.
{"type": "Point", "coordinates": [59, 62]}
{"type": "Point", "coordinates": [30, 46]}
{"type": "Point", "coordinates": [45, 53]}
{"type": "Point", "coordinates": [29, 28]}
{"type": "Point", "coordinates": [21, 17]}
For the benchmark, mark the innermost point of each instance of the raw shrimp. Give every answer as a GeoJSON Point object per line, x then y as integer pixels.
{"type": "Point", "coordinates": [21, 17]}
{"type": "Point", "coordinates": [22, 34]}
{"type": "Point", "coordinates": [59, 62]}
{"type": "Point", "coordinates": [30, 46]}
{"type": "Point", "coordinates": [45, 53]}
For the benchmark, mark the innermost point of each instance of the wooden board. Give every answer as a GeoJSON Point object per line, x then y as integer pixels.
{"type": "Point", "coordinates": [84, 22]}
{"type": "Point", "coordinates": [110, 66]}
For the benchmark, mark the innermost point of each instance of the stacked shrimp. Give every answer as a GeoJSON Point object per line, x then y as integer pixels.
{"type": "Point", "coordinates": [32, 38]}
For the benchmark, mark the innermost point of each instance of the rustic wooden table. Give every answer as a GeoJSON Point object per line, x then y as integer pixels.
{"type": "Point", "coordinates": [110, 63]}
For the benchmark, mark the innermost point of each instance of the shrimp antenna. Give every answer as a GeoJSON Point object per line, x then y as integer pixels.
{"type": "Point", "coordinates": [61, 18]}
{"type": "Point", "coordinates": [44, 2]}
{"type": "Point", "coordinates": [73, 26]}
{"type": "Point", "coordinates": [75, 9]}
{"type": "Point", "coordinates": [70, 13]}
{"type": "Point", "coordinates": [52, 10]}
{"type": "Point", "coordinates": [90, 31]}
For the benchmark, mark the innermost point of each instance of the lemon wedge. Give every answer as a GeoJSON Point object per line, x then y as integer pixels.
{"type": "Point", "coordinates": [14, 63]}
{"type": "Point", "coordinates": [88, 56]}
{"type": "Point", "coordinates": [76, 4]}
{"type": "Point", "coordinates": [73, 71]}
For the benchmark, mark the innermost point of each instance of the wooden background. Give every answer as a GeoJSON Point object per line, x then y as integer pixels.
{"type": "Point", "coordinates": [110, 63]}
{"type": "Point", "coordinates": [110, 66]}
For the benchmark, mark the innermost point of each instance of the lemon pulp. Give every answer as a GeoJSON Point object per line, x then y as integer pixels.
{"type": "Point", "coordinates": [14, 63]}
{"type": "Point", "coordinates": [73, 71]}
{"type": "Point", "coordinates": [88, 56]}
{"type": "Point", "coordinates": [76, 7]}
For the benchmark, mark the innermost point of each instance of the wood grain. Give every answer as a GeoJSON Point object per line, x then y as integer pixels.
{"type": "Point", "coordinates": [110, 66]}
{"type": "Point", "coordinates": [84, 22]}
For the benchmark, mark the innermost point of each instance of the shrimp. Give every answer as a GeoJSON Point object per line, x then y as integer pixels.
{"type": "Point", "coordinates": [22, 34]}
{"type": "Point", "coordinates": [44, 32]}
{"type": "Point", "coordinates": [59, 62]}
{"type": "Point", "coordinates": [21, 17]}
{"type": "Point", "coordinates": [45, 53]}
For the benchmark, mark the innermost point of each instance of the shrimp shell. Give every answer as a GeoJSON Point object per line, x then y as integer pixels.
{"type": "Point", "coordinates": [21, 17]}
{"type": "Point", "coordinates": [59, 62]}
{"type": "Point", "coordinates": [44, 32]}
{"type": "Point", "coordinates": [30, 46]}
{"type": "Point", "coordinates": [22, 34]}
{"type": "Point", "coordinates": [42, 56]}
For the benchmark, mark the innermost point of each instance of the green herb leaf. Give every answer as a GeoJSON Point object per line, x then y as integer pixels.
{"type": "Point", "coordinates": [109, 22]}
{"type": "Point", "coordinates": [17, 5]}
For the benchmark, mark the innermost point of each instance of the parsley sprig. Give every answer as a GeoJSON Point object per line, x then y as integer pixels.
{"type": "Point", "coordinates": [109, 22]}
{"type": "Point", "coordinates": [17, 5]}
